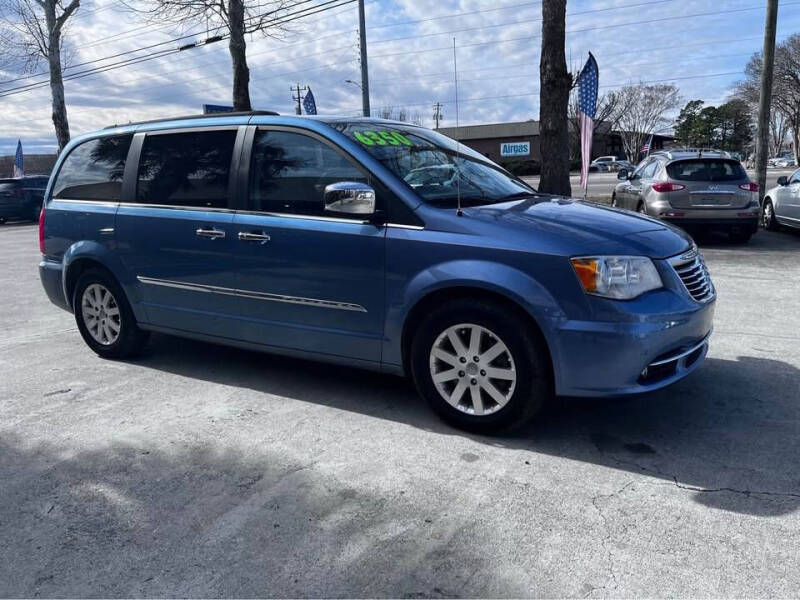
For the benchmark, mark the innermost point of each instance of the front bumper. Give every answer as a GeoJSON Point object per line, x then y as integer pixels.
{"type": "Point", "coordinates": [647, 344]}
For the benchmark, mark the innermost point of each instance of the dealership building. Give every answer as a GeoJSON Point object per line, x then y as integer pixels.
{"type": "Point", "coordinates": [506, 142]}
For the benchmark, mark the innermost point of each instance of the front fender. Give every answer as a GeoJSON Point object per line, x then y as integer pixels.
{"type": "Point", "coordinates": [96, 252]}
{"type": "Point", "coordinates": [499, 278]}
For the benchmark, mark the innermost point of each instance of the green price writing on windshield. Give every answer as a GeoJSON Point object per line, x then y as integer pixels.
{"type": "Point", "coordinates": [382, 138]}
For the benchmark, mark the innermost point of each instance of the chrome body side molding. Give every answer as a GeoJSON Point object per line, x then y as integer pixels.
{"type": "Point", "coordinates": [212, 289]}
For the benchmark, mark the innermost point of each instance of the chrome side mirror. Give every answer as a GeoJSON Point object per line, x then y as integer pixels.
{"type": "Point", "coordinates": [622, 173]}
{"type": "Point", "coordinates": [349, 198]}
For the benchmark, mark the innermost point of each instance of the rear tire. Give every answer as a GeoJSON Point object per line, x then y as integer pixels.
{"type": "Point", "coordinates": [508, 384]}
{"type": "Point", "coordinates": [641, 209]}
{"type": "Point", "coordinates": [768, 220]}
{"type": "Point", "coordinates": [105, 318]}
{"type": "Point", "coordinates": [614, 201]}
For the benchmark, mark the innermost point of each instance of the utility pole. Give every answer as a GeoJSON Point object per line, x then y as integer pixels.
{"type": "Point", "coordinates": [437, 114]}
{"type": "Point", "coordinates": [765, 99]}
{"type": "Point", "coordinates": [362, 43]}
{"type": "Point", "coordinates": [297, 94]}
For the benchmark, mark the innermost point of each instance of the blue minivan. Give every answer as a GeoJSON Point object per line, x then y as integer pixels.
{"type": "Point", "coordinates": [373, 244]}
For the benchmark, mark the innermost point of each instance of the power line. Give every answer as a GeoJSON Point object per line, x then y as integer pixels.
{"type": "Point", "coordinates": [159, 54]}
{"type": "Point", "coordinates": [279, 20]}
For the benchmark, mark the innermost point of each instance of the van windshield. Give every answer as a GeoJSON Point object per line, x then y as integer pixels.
{"type": "Point", "coordinates": [434, 165]}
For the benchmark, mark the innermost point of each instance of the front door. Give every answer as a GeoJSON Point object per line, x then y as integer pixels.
{"type": "Point", "coordinates": [307, 282]}
{"type": "Point", "coordinates": [790, 201]}
{"type": "Point", "coordinates": [177, 239]}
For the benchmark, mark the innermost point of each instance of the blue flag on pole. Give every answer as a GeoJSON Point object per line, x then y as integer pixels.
{"type": "Point", "coordinates": [19, 170]}
{"type": "Point", "coordinates": [309, 104]}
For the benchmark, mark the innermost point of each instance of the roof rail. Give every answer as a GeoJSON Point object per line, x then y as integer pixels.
{"type": "Point", "coordinates": [244, 113]}
{"type": "Point", "coordinates": [699, 151]}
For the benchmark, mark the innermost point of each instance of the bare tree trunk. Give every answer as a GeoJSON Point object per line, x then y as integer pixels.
{"type": "Point", "coordinates": [60, 121]}
{"type": "Point", "coordinates": [238, 50]}
{"type": "Point", "coordinates": [554, 85]}
{"type": "Point", "coordinates": [765, 97]}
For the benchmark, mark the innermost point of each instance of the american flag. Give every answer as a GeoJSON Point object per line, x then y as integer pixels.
{"type": "Point", "coordinates": [587, 105]}
{"type": "Point", "coordinates": [309, 104]}
{"type": "Point", "coordinates": [19, 171]}
{"type": "Point", "coordinates": [646, 147]}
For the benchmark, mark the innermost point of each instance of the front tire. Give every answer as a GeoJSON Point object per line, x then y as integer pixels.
{"type": "Point", "coordinates": [768, 219]}
{"type": "Point", "coordinates": [104, 317]}
{"type": "Point", "coordinates": [480, 366]}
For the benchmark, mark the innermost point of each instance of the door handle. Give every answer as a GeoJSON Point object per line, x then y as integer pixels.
{"type": "Point", "coordinates": [210, 233]}
{"type": "Point", "coordinates": [249, 236]}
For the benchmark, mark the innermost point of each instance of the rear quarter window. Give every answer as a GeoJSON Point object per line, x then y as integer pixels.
{"type": "Point", "coordinates": [706, 170]}
{"type": "Point", "coordinates": [93, 170]}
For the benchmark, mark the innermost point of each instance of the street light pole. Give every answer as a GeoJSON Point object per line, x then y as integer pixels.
{"type": "Point", "coordinates": [765, 98]}
{"type": "Point", "coordinates": [362, 38]}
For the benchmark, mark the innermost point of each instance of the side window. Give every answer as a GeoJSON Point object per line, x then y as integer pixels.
{"type": "Point", "coordinates": [186, 169]}
{"type": "Point", "coordinates": [289, 172]}
{"type": "Point", "coordinates": [650, 170]}
{"type": "Point", "coordinates": [637, 174]}
{"type": "Point", "coordinates": [795, 178]}
{"type": "Point", "coordinates": [93, 170]}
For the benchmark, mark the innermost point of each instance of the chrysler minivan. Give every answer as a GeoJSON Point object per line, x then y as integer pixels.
{"type": "Point", "coordinates": [318, 238]}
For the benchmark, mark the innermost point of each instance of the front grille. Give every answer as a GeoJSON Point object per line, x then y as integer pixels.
{"type": "Point", "coordinates": [691, 268]}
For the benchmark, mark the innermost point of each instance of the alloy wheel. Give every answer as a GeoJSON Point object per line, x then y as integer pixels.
{"type": "Point", "coordinates": [101, 314]}
{"type": "Point", "coordinates": [472, 369]}
{"type": "Point", "coordinates": [767, 215]}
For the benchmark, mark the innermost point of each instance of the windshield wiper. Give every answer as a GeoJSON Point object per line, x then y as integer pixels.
{"type": "Point", "coordinates": [517, 196]}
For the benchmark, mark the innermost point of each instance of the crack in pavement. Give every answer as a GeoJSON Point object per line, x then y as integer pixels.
{"type": "Point", "coordinates": [702, 490]}
{"type": "Point", "coordinates": [607, 537]}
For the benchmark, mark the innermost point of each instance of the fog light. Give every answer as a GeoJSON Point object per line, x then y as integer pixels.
{"type": "Point", "coordinates": [644, 372]}
{"type": "Point", "coordinates": [673, 214]}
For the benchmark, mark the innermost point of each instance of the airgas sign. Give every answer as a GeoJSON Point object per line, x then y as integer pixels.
{"type": "Point", "coordinates": [515, 149]}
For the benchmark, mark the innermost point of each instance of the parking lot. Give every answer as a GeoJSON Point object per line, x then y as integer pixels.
{"type": "Point", "coordinates": [207, 471]}
{"type": "Point", "coordinates": [601, 185]}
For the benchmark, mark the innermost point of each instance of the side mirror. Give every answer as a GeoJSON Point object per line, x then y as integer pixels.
{"type": "Point", "coordinates": [783, 180]}
{"type": "Point", "coordinates": [622, 173]}
{"type": "Point", "coordinates": [349, 198]}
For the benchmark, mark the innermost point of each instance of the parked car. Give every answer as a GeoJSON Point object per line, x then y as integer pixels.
{"type": "Point", "coordinates": [299, 236]}
{"type": "Point", "coordinates": [781, 205]}
{"type": "Point", "coordinates": [21, 198]}
{"type": "Point", "coordinates": [624, 164]}
{"type": "Point", "coordinates": [783, 163]}
{"type": "Point", "coordinates": [695, 190]}
{"type": "Point", "coordinates": [602, 164]}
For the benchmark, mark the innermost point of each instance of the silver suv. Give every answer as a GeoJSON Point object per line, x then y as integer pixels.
{"type": "Point", "coordinates": [694, 189]}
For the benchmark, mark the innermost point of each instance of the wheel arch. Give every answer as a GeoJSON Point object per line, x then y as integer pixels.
{"type": "Point", "coordinates": [85, 255]}
{"type": "Point", "coordinates": [467, 291]}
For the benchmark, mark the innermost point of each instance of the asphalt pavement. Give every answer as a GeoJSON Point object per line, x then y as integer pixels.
{"type": "Point", "coordinates": [204, 471]}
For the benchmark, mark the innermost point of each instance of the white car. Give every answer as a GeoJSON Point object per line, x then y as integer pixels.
{"type": "Point", "coordinates": [782, 203]}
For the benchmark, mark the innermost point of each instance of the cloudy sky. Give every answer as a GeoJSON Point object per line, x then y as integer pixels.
{"type": "Point", "coordinates": [701, 45]}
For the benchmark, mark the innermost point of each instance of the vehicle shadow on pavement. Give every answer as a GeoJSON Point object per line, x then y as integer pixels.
{"type": "Point", "coordinates": [136, 521]}
{"type": "Point", "coordinates": [729, 434]}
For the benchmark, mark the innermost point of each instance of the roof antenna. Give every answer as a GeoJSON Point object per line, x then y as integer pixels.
{"type": "Point", "coordinates": [459, 212]}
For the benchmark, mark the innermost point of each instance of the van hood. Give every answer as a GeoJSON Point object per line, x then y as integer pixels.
{"type": "Point", "coordinates": [576, 227]}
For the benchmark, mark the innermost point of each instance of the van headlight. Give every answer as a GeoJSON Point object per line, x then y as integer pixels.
{"type": "Point", "coordinates": [617, 277]}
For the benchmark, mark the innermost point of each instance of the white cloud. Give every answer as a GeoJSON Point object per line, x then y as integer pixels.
{"type": "Point", "coordinates": [410, 63]}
